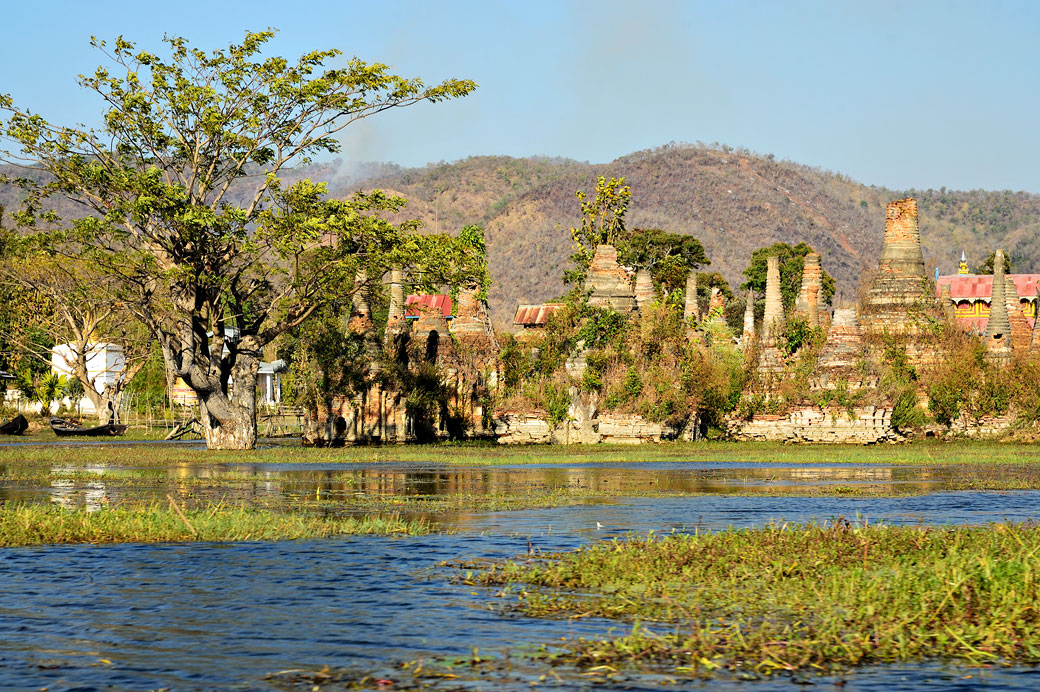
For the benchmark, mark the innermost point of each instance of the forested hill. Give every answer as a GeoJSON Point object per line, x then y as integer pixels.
{"type": "Point", "coordinates": [732, 200]}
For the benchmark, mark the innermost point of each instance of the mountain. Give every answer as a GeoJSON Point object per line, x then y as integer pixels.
{"type": "Point", "coordinates": [734, 201]}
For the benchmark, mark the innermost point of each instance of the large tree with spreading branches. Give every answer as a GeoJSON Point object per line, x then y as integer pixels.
{"type": "Point", "coordinates": [182, 204]}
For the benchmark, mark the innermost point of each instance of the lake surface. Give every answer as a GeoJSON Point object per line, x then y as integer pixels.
{"type": "Point", "coordinates": [226, 616]}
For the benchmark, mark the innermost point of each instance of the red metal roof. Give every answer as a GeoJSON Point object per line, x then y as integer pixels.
{"type": "Point", "coordinates": [414, 304]}
{"type": "Point", "coordinates": [535, 315]}
{"type": "Point", "coordinates": [980, 286]}
{"type": "Point", "coordinates": [971, 294]}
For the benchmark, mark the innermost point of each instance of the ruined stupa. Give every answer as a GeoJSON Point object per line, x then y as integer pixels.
{"type": "Point", "coordinates": [608, 282]}
{"type": "Point", "coordinates": [395, 320]}
{"type": "Point", "coordinates": [1021, 331]}
{"type": "Point", "coordinates": [716, 306]}
{"type": "Point", "coordinates": [690, 308]}
{"type": "Point", "coordinates": [812, 314]}
{"type": "Point", "coordinates": [472, 327]}
{"type": "Point", "coordinates": [360, 321]}
{"type": "Point", "coordinates": [748, 334]}
{"type": "Point", "coordinates": [900, 287]}
{"type": "Point", "coordinates": [812, 277]}
{"type": "Point", "coordinates": [998, 329]}
{"type": "Point", "coordinates": [645, 293]}
{"type": "Point", "coordinates": [773, 322]}
{"type": "Point", "coordinates": [949, 306]}
{"type": "Point", "coordinates": [844, 345]}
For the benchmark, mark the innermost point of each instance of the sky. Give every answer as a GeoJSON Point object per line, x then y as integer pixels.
{"type": "Point", "coordinates": [897, 94]}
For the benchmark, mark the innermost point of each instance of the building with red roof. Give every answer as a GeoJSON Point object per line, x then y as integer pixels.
{"type": "Point", "coordinates": [971, 297]}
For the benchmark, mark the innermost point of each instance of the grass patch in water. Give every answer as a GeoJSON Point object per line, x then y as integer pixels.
{"type": "Point", "coordinates": [793, 598]}
{"type": "Point", "coordinates": [486, 454]}
{"type": "Point", "coordinates": [25, 524]}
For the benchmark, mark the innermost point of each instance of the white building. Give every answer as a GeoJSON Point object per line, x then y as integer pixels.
{"type": "Point", "coordinates": [104, 363]}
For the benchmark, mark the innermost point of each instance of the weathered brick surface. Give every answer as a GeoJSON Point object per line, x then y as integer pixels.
{"type": "Point", "coordinates": [998, 329]}
{"type": "Point", "coordinates": [773, 321]}
{"type": "Point", "coordinates": [812, 280]}
{"type": "Point", "coordinates": [1021, 330]}
{"type": "Point", "coordinates": [866, 425]}
{"type": "Point", "coordinates": [690, 307]}
{"type": "Point", "coordinates": [644, 291]}
{"type": "Point", "coordinates": [844, 346]}
{"type": "Point", "coordinates": [610, 284]}
{"type": "Point", "coordinates": [899, 290]}
{"type": "Point", "coordinates": [747, 337]}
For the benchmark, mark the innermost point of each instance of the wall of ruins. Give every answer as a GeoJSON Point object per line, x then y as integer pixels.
{"type": "Point", "coordinates": [533, 427]}
{"type": "Point", "coordinates": [865, 425]}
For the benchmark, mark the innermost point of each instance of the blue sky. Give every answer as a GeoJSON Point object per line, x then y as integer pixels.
{"type": "Point", "coordinates": [922, 94]}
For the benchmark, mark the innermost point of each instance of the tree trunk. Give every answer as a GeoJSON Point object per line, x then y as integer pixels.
{"type": "Point", "coordinates": [229, 421]}
{"type": "Point", "coordinates": [234, 431]}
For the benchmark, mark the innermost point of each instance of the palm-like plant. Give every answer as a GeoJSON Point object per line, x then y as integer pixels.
{"type": "Point", "coordinates": [45, 389]}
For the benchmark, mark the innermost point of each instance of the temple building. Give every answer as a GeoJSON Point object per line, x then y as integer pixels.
{"type": "Point", "coordinates": [971, 294]}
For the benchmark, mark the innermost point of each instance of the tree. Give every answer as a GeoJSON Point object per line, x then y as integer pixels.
{"type": "Point", "coordinates": [602, 222]}
{"type": "Point", "coordinates": [987, 266]}
{"type": "Point", "coordinates": [669, 257]}
{"type": "Point", "coordinates": [83, 322]}
{"type": "Point", "coordinates": [45, 388]}
{"type": "Point", "coordinates": [792, 262]}
{"type": "Point", "coordinates": [186, 211]}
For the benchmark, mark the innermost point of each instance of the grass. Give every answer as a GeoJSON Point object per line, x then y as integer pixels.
{"type": "Point", "coordinates": [24, 524]}
{"type": "Point", "coordinates": [487, 454]}
{"type": "Point", "coordinates": [793, 598]}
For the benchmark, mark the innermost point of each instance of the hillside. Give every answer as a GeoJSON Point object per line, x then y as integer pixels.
{"type": "Point", "coordinates": [733, 201]}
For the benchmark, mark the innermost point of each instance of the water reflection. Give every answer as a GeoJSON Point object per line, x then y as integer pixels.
{"type": "Point", "coordinates": [96, 486]}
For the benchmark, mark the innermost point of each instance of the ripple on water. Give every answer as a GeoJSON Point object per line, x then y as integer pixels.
{"type": "Point", "coordinates": [221, 615]}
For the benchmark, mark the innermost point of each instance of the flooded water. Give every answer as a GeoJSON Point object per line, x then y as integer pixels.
{"type": "Point", "coordinates": [226, 616]}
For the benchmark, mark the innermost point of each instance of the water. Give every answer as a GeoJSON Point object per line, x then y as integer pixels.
{"type": "Point", "coordinates": [224, 616]}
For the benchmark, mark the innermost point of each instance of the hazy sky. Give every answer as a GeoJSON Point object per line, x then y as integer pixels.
{"type": "Point", "coordinates": [901, 94]}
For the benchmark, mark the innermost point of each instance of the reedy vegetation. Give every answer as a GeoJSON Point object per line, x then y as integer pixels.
{"type": "Point", "coordinates": [48, 524]}
{"type": "Point", "coordinates": [787, 598]}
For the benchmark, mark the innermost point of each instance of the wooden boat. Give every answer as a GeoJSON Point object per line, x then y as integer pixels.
{"type": "Point", "coordinates": [15, 426]}
{"type": "Point", "coordinates": [63, 428]}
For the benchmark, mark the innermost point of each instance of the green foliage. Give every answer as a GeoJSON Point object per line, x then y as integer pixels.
{"type": "Point", "coordinates": [148, 387]}
{"type": "Point", "coordinates": [602, 327]}
{"type": "Point", "coordinates": [669, 257]}
{"type": "Point", "coordinates": [182, 189]}
{"type": "Point", "coordinates": [557, 403]}
{"type": "Point", "coordinates": [787, 598]}
{"type": "Point", "coordinates": [792, 262]}
{"type": "Point", "coordinates": [602, 222]}
{"type": "Point", "coordinates": [987, 265]}
{"type": "Point", "coordinates": [473, 248]}
{"type": "Point", "coordinates": [427, 399]}
{"type": "Point", "coordinates": [798, 334]}
{"type": "Point", "coordinates": [899, 383]}
{"type": "Point", "coordinates": [43, 388]}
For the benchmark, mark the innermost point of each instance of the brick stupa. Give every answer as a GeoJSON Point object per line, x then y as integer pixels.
{"type": "Point", "coordinates": [773, 322]}
{"type": "Point", "coordinates": [748, 335]}
{"type": "Point", "coordinates": [812, 280]}
{"type": "Point", "coordinates": [1021, 330]}
{"type": "Point", "coordinates": [844, 345]}
{"type": "Point", "coordinates": [691, 310]}
{"type": "Point", "coordinates": [645, 293]}
{"type": "Point", "coordinates": [998, 329]}
{"type": "Point", "coordinates": [609, 283]}
{"type": "Point", "coordinates": [900, 287]}
{"type": "Point", "coordinates": [472, 327]}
